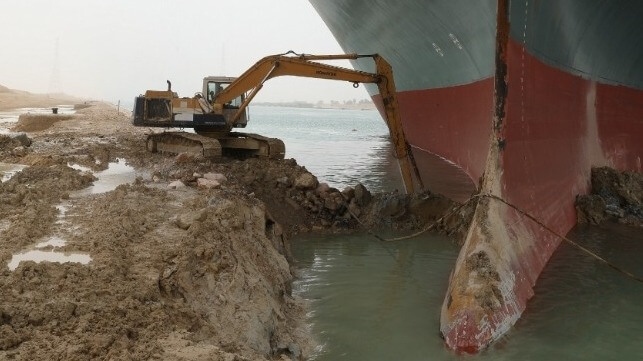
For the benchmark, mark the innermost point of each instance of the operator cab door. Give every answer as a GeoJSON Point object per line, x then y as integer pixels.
{"type": "Point", "coordinates": [229, 108]}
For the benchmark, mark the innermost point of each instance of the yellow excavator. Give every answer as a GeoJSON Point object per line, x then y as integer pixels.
{"type": "Point", "coordinates": [222, 104]}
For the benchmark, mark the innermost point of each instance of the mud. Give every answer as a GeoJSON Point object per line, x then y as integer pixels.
{"type": "Point", "coordinates": [38, 122]}
{"type": "Point", "coordinates": [615, 197]}
{"type": "Point", "coordinates": [181, 268]}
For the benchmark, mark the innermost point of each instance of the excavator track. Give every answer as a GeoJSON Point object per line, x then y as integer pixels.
{"type": "Point", "coordinates": [215, 145]}
{"type": "Point", "coordinates": [271, 148]}
{"type": "Point", "coordinates": [182, 142]}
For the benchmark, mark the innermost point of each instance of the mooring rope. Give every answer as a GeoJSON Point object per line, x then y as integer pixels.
{"type": "Point", "coordinates": [524, 213]}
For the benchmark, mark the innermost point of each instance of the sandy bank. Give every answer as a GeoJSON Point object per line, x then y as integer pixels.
{"type": "Point", "coordinates": [12, 99]}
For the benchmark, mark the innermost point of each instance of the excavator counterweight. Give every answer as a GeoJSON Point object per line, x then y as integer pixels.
{"type": "Point", "coordinates": [222, 105]}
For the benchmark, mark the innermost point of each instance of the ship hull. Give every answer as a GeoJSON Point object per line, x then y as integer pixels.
{"type": "Point", "coordinates": [564, 94]}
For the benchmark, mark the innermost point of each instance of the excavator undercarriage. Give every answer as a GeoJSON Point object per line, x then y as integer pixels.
{"type": "Point", "coordinates": [215, 145]}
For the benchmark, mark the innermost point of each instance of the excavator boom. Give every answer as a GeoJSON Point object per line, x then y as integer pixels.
{"type": "Point", "coordinates": [246, 87]}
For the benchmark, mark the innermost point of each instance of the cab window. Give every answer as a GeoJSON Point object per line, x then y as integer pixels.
{"type": "Point", "coordinates": [215, 88]}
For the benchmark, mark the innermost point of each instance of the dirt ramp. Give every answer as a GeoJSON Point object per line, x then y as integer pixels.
{"type": "Point", "coordinates": [38, 122]}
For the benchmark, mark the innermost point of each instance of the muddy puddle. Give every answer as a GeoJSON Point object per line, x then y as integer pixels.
{"type": "Point", "coordinates": [8, 170]}
{"type": "Point", "coordinates": [117, 173]}
{"type": "Point", "coordinates": [9, 118]}
{"type": "Point", "coordinates": [38, 256]}
{"type": "Point", "coordinates": [45, 251]}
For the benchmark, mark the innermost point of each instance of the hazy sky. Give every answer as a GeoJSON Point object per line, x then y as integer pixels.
{"type": "Point", "coordinates": [115, 50]}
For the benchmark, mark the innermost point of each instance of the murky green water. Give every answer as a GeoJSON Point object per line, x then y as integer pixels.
{"type": "Point", "coordinates": [381, 301]}
{"type": "Point", "coordinates": [372, 300]}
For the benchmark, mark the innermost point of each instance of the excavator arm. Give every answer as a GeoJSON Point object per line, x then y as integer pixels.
{"type": "Point", "coordinates": [273, 66]}
{"type": "Point", "coordinates": [302, 66]}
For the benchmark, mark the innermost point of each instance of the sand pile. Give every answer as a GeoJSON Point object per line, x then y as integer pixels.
{"type": "Point", "coordinates": [38, 122]}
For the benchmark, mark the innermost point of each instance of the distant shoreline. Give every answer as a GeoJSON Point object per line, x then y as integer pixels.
{"type": "Point", "coordinates": [306, 105]}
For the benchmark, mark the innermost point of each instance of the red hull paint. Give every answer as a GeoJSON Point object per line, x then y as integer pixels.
{"type": "Point", "coordinates": [557, 126]}
{"type": "Point", "coordinates": [436, 124]}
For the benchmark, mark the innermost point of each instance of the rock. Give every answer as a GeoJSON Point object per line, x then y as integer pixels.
{"type": "Point", "coordinates": [284, 181]}
{"type": "Point", "coordinates": [184, 158]}
{"type": "Point", "coordinates": [306, 181]}
{"type": "Point", "coordinates": [354, 208]}
{"type": "Point", "coordinates": [207, 183]}
{"type": "Point", "coordinates": [293, 203]}
{"type": "Point", "coordinates": [348, 193]}
{"type": "Point", "coordinates": [295, 350]}
{"type": "Point", "coordinates": [20, 151]}
{"type": "Point", "coordinates": [185, 220]}
{"type": "Point", "coordinates": [323, 187]}
{"type": "Point", "coordinates": [334, 201]}
{"type": "Point", "coordinates": [392, 206]}
{"type": "Point", "coordinates": [429, 206]}
{"type": "Point", "coordinates": [310, 195]}
{"type": "Point", "coordinates": [616, 196]}
{"type": "Point", "coordinates": [176, 184]}
{"type": "Point", "coordinates": [176, 174]}
{"type": "Point", "coordinates": [215, 177]}
{"type": "Point", "coordinates": [248, 179]}
{"type": "Point", "coordinates": [24, 140]}
{"type": "Point", "coordinates": [197, 175]}
{"type": "Point", "coordinates": [590, 209]}
{"type": "Point", "coordinates": [362, 195]}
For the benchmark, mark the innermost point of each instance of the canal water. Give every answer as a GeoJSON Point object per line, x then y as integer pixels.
{"type": "Point", "coordinates": [381, 301]}
{"type": "Point", "coordinates": [341, 147]}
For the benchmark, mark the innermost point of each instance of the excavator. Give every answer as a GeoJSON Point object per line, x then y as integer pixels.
{"type": "Point", "coordinates": [222, 106]}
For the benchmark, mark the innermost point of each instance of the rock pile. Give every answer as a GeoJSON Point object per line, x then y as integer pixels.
{"type": "Point", "coordinates": [615, 196]}
{"type": "Point", "coordinates": [12, 146]}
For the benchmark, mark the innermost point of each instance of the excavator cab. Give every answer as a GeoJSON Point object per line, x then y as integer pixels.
{"type": "Point", "coordinates": [213, 86]}
{"type": "Point", "coordinates": [165, 109]}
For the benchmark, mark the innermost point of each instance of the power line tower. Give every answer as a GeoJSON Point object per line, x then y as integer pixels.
{"type": "Point", "coordinates": [54, 81]}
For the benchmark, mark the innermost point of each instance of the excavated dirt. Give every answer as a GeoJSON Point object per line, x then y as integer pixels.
{"type": "Point", "coordinates": [189, 262]}
{"type": "Point", "coordinates": [615, 196]}
{"type": "Point", "coordinates": [38, 122]}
